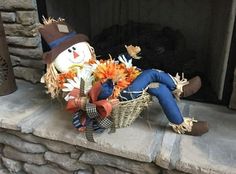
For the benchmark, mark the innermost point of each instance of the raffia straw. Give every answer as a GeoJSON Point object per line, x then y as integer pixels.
{"type": "Point", "coordinates": [50, 80]}
{"type": "Point", "coordinates": [48, 21]}
{"type": "Point", "coordinates": [51, 20]}
{"type": "Point", "coordinates": [186, 126]}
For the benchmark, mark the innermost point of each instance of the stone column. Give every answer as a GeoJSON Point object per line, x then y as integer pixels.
{"type": "Point", "coordinates": [7, 80]}
{"type": "Point", "coordinates": [20, 21]}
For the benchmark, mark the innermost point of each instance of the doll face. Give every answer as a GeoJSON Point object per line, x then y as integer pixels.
{"type": "Point", "coordinates": [77, 54]}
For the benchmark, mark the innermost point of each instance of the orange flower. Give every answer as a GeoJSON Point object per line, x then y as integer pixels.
{"type": "Point", "coordinates": [64, 76]}
{"type": "Point", "coordinates": [108, 70]}
{"type": "Point", "coordinates": [91, 61]}
{"type": "Point", "coordinates": [119, 73]}
{"type": "Point", "coordinates": [120, 85]}
{"type": "Point", "coordinates": [132, 72]}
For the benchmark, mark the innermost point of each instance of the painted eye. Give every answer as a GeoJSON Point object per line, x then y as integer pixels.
{"type": "Point", "coordinates": [73, 48]}
{"type": "Point", "coordinates": [69, 50]}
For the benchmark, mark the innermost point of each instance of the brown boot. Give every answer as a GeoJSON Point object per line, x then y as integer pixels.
{"type": "Point", "coordinates": [199, 128]}
{"type": "Point", "coordinates": [185, 88]}
{"type": "Point", "coordinates": [192, 87]}
{"type": "Point", "coordinates": [191, 127]}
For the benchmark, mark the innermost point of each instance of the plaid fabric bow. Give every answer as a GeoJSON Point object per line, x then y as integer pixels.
{"type": "Point", "coordinates": [89, 116]}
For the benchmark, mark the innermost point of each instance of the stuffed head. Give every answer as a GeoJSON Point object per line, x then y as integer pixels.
{"type": "Point", "coordinates": [75, 55]}
{"type": "Point", "coordinates": [68, 52]}
{"type": "Point", "coordinates": [67, 47]}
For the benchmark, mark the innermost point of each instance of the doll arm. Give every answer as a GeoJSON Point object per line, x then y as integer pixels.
{"type": "Point", "coordinates": [125, 59]}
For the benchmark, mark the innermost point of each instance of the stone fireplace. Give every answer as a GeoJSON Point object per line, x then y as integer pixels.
{"type": "Point", "coordinates": [36, 136]}
{"type": "Point", "coordinates": [201, 33]}
{"type": "Point", "coordinates": [208, 36]}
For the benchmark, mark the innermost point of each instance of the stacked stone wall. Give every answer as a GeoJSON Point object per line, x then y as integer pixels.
{"type": "Point", "coordinates": [20, 20]}
{"type": "Point", "coordinates": [28, 154]}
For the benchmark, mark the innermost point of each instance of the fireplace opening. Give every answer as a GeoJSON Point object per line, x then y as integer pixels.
{"type": "Point", "coordinates": [190, 37]}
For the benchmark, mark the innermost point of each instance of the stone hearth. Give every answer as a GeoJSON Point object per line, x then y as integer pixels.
{"type": "Point", "coordinates": [21, 19]}
{"type": "Point", "coordinates": [37, 136]}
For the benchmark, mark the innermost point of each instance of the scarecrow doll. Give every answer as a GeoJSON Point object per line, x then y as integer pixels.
{"type": "Point", "coordinates": [93, 87]}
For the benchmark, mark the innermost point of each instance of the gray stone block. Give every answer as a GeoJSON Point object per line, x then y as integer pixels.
{"type": "Point", "coordinates": [26, 17]}
{"type": "Point", "coordinates": [2, 130]}
{"type": "Point", "coordinates": [76, 155]}
{"type": "Point", "coordinates": [18, 61]}
{"type": "Point", "coordinates": [21, 145]}
{"type": "Point", "coordinates": [83, 172]}
{"type": "Point", "coordinates": [21, 172]}
{"type": "Point", "coordinates": [17, 4]}
{"type": "Point", "coordinates": [163, 158]}
{"type": "Point", "coordinates": [29, 74]}
{"type": "Point", "coordinates": [44, 169]}
{"type": "Point", "coordinates": [34, 53]}
{"type": "Point", "coordinates": [97, 158]}
{"type": "Point", "coordinates": [172, 172]}
{"type": "Point", "coordinates": [20, 30]}
{"type": "Point", "coordinates": [107, 170]}
{"type": "Point", "coordinates": [12, 153]}
{"type": "Point", "coordinates": [1, 163]}
{"type": "Point", "coordinates": [23, 103]}
{"type": "Point", "coordinates": [55, 146]}
{"type": "Point", "coordinates": [1, 148]}
{"type": "Point", "coordinates": [8, 17]}
{"type": "Point", "coordinates": [4, 171]}
{"type": "Point", "coordinates": [24, 41]}
{"type": "Point", "coordinates": [65, 162]}
{"type": "Point", "coordinates": [201, 154]}
{"type": "Point", "coordinates": [138, 141]}
{"type": "Point", "coordinates": [12, 165]}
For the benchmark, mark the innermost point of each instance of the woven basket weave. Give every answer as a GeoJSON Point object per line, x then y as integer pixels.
{"type": "Point", "coordinates": [127, 111]}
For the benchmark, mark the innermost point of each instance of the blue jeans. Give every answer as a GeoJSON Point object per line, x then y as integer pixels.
{"type": "Point", "coordinates": [163, 92]}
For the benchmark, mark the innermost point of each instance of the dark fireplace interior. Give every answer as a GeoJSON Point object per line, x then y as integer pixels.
{"type": "Point", "coordinates": [190, 37]}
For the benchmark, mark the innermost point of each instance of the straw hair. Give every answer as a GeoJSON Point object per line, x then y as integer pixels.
{"type": "Point", "coordinates": [51, 20]}
{"type": "Point", "coordinates": [50, 79]}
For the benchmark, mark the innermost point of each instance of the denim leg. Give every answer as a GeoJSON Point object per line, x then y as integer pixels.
{"type": "Point", "coordinates": [161, 77]}
{"type": "Point", "coordinates": [144, 79]}
{"type": "Point", "coordinates": [167, 103]}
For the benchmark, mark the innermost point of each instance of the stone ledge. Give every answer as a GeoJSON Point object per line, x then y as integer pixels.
{"type": "Point", "coordinates": [137, 142]}
{"type": "Point", "coordinates": [149, 139]}
{"type": "Point", "coordinates": [44, 118]}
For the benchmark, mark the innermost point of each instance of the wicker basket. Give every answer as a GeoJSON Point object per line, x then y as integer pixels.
{"type": "Point", "coordinates": [127, 111]}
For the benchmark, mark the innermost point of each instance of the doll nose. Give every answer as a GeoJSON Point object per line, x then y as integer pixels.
{"type": "Point", "coordinates": [75, 54]}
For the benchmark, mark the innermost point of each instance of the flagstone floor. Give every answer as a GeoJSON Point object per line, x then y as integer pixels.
{"type": "Point", "coordinates": [30, 110]}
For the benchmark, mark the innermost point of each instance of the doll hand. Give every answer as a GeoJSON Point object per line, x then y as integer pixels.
{"type": "Point", "coordinates": [75, 83]}
{"type": "Point", "coordinates": [123, 59]}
